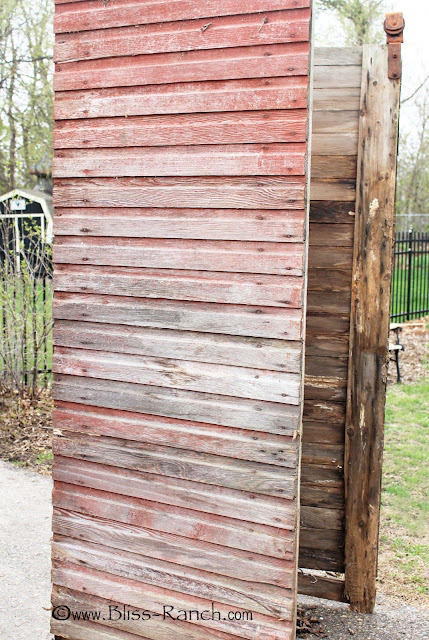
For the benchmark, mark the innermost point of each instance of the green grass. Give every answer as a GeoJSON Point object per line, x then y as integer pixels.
{"type": "Point", "coordinates": [405, 503]}
{"type": "Point", "coordinates": [45, 456]}
{"type": "Point", "coordinates": [406, 470]}
{"type": "Point", "coordinates": [419, 298]}
{"type": "Point", "coordinates": [20, 304]}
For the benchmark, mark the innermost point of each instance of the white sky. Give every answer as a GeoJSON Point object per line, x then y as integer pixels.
{"type": "Point", "coordinates": [415, 50]}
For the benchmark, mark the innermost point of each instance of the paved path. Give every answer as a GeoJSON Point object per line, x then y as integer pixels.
{"type": "Point", "coordinates": [25, 531]}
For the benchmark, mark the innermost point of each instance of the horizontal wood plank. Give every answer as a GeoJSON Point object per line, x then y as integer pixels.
{"type": "Point", "coordinates": [198, 467]}
{"type": "Point", "coordinates": [281, 419]}
{"type": "Point", "coordinates": [158, 573]}
{"type": "Point", "coordinates": [137, 593]}
{"type": "Point", "coordinates": [196, 556]}
{"type": "Point", "coordinates": [190, 35]}
{"type": "Point", "coordinates": [332, 189]}
{"type": "Point", "coordinates": [334, 144]}
{"type": "Point", "coordinates": [80, 601]}
{"type": "Point", "coordinates": [328, 56]}
{"type": "Point", "coordinates": [322, 476]}
{"type": "Point", "coordinates": [239, 320]}
{"type": "Point", "coordinates": [332, 303]}
{"type": "Point", "coordinates": [74, 16]}
{"type": "Point", "coordinates": [285, 259]}
{"type": "Point", "coordinates": [337, 98]}
{"type": "Point", "coordinates": [220, 96]}
{"type": "Point", "coordinates": [191, 66]}
{"type": "Point", "coordinates": [273, 355]}
{"type": "Point", "coordinates": [340, 257]}
{"type": "Point", "coordinates": [323, 454]}
{"type": "Point", "coordinates": [332, 212]}
{"type": "Point", "coordinates": [185, 192]}
{"type": "Point", "coordinates": [322, 411]}
{"type": "Point", "coordinates": [323, 497]}
{"type": "Point", "coordinates": [167, 519]}
{"type": "Point", "coordinates": [333, 166]}
{"type": "Point", "coordinates": [337, 76]}
{"type": "Point", "coordinates": [231, 288]}
{"type": "Point", "coordinates": [187, 224]}
{"type": "Point", "coordinates": [321, 586]}
{"type": "Point", "coordinates": [322, 433]}
{"type": "Point", "coordinates": [74, 630]}
{"type": "Point", "coordinates": [324, 279]}
{"type": "Point", "coordinates": [183, 129]}
{"type": "Point", "coordinates": [318, 518]}
{"type": "Point", "coordinates": [335, 122]}
{"type": "Point", "coordinates": [274, 386]}
{"type": "Point", "coordinates": [201, 160]}
{"type": "Point", "coordinates": [331, 235]}
{"type": "Point", "coordinates": [214, 499]}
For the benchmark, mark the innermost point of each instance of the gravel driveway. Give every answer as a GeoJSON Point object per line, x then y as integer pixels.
{"type": "Point", "coordinates": [25, 531]}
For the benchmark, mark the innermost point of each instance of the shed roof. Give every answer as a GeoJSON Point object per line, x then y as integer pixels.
{"type": "Point", "coordinates": [44, 199]}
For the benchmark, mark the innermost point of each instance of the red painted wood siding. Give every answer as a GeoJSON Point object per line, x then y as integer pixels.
{"type": "Point", "coordinates": [180, 279]}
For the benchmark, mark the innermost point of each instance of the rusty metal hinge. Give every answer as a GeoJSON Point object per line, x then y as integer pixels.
{"type": "Point", "coordinates": [394, 27]}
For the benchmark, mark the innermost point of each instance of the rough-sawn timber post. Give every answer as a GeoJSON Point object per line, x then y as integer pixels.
{"type": "Point", "coordinates": [369, 328]}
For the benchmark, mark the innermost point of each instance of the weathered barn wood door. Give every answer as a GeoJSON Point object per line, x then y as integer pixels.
{"type": "Point", "coordinates": [180, 278]}
{"type": "Point", "coordinates": [354, 149]}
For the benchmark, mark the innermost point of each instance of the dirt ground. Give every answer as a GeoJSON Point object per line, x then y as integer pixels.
{"type": "Point", "coordinates": [26, 431]}
{"type": "Point", "coordinates": [414, 360]}
{"type": "Point", "coordinates": [390, 621]}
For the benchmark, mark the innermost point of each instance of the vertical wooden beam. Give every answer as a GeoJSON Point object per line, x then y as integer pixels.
{"type": "Point", "coordinates": [369, 328]}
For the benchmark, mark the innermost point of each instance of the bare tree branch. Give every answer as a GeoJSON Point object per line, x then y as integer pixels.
{"type": "Point", "coordinates": [416, 91]}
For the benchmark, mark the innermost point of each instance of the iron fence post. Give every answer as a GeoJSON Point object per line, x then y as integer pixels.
{"type": "Point", "coordinates": [410, 271]}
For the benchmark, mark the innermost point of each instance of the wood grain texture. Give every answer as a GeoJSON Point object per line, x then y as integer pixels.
{"type": "Point", "coordinates": [333, 189]}
{"type": "Point", "coordinates": [74, 16]}
{"type": "Point", "coordinates": [369, 327]}
{"type": "Point", "coordinates": [183, 192]}
{"type": "Point", "coordinates": [154, 572]}
{"type": "Point", "coordinates": [189, 97]}
{"type": "Point", "coordinates": [313, 585]}
{"type": "Point", "coordinates": [168, 549]}
{"type": "Point", "coordinates": [266, 354]}
{"type": "Point", "coordinates": [226, 532]}
{"type": "Point", "coordinates": [181, 184]}
{"type": "Point", "coordinates": [328, 321]}
{"type": "Point", "coordinates": [232, 127]}
{"type": "Point", "coordinates": [225, 31]}
{"type": "Point", "coordinates": [187, 224]}
{"type": "Point", "coordinates": [152, 631]}
{"type": "Point", "coordinates": [228, 411]}
{"type": "Point", "coordinates": [337, 99]}
{"type": "Point", "coordinates": [139, 594]}
{"type": "Point", "coordinates": [235, 257]}
{"type": "Point", "coordinates": [215, 499]}
{"type": "Point", "coordinates": [179, 374]}
{"type": "Point", "coordinates": [187, 465]}
{"type": "Point", "coordinates": [189, 66]}
{"type": "Point", "coordinates": [327, 56]}
{"type": "Point", "coordinates": [196, 160]}
{"type": "Point", "coordinates": [226, 288]}
{"type": "Point", "coordinates": [243, 320]}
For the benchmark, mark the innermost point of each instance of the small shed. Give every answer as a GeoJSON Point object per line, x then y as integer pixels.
{"type": "Point", "coordinates": [20, 205]}
{"type": "Point", "coordinates": [26, 223]}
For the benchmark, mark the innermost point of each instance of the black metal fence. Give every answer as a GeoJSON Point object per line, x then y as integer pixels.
{"type": "Point", "coordinates": [410, 281]}
{"type": "Point", "coordinates": [25, 306]}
